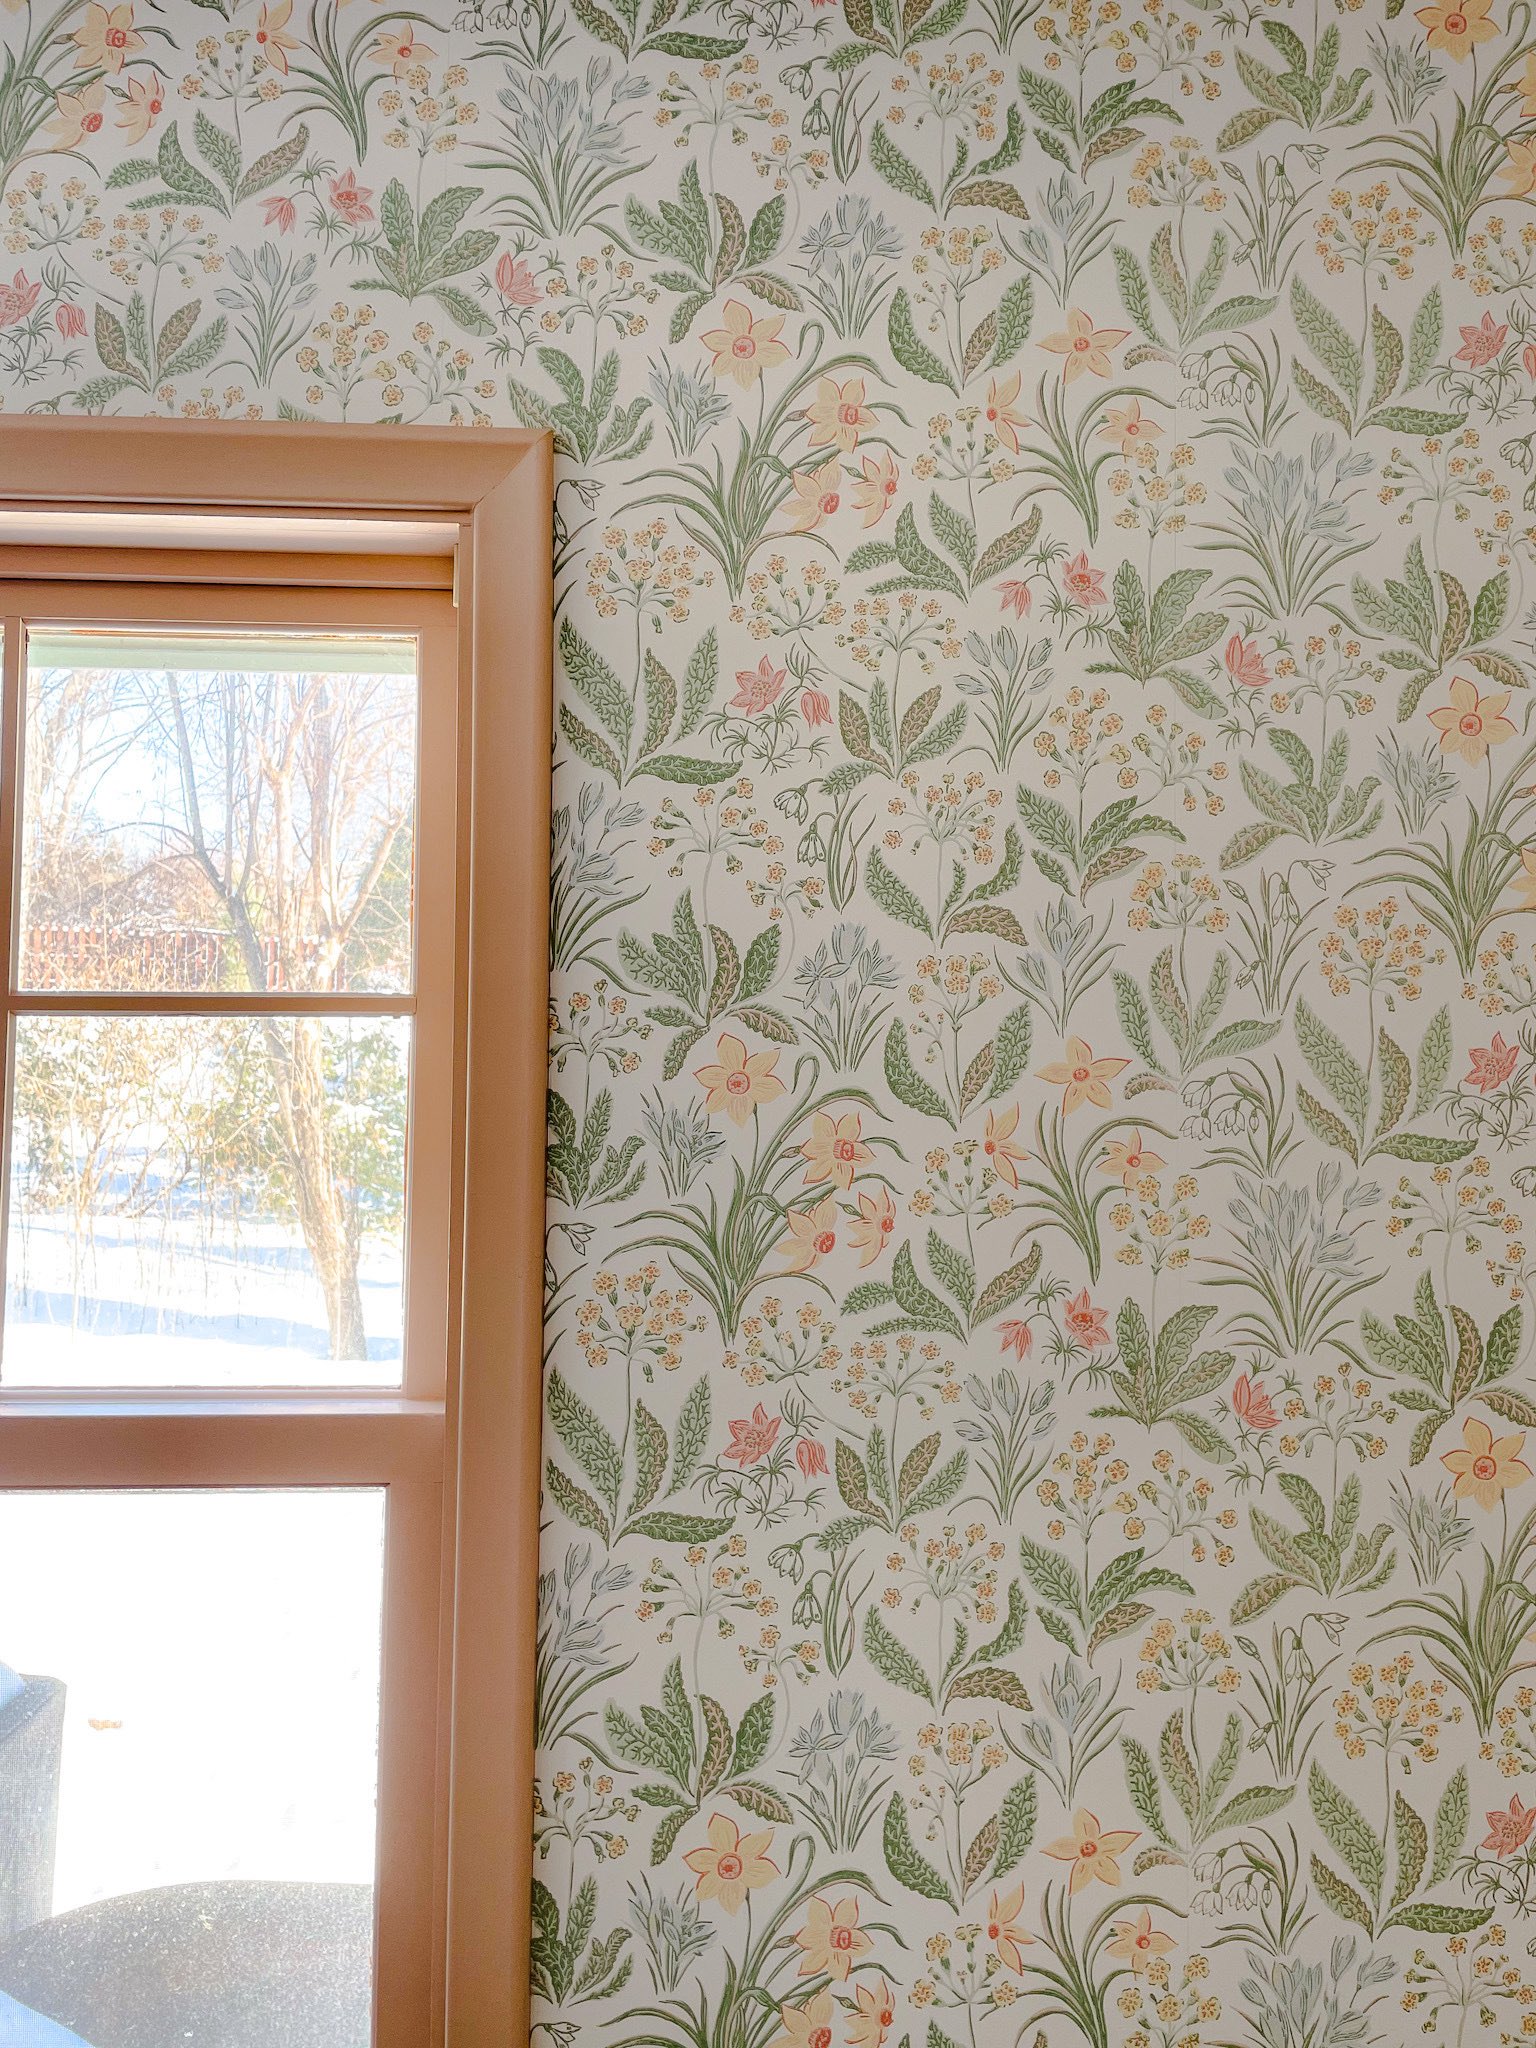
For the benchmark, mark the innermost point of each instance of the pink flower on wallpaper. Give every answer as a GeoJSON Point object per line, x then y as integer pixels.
{"type": "Point", "coordinates": [1251, 1405]}
{"type": "Point", "coordinates": [1480, 344]}
{"type": "Point", "coordinates": [1087, 1324]}
{"type": "Point", "coordinates": [515, 281]}
{"type": "Point", "coordinates": [752, 1439]}
{"type": "Point", "coordinates": [1492, 1065]}
{"type": "Point", "coordinates": [1244, 663]}
{"type": "Point", "coordinates": [350, 200]}
{"type": "Point", "coordinates": [1084, 585]}
{"type": "Point", "coordinates": [757, 688]}
{"type": "Point", "coordinates": [17, 299]}
{"type": "Point", "coordinates": [1509, 1831]}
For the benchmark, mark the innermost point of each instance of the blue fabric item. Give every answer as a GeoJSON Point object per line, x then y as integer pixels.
{"type": "Point", "coordinates": [21, 2027]}
{"type": "Point", "coordinates": [11, 1685]}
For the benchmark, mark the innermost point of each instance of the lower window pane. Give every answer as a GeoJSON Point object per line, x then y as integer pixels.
{"type": "Point", "coordinates": [189, 1708]}
{"type": "Point", "coordinates": [206, 1202]}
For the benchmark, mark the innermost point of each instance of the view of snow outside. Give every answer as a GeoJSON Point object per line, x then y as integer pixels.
{"type": "Point", "coordinates": [128, 1265]}
{"type": "Point", "coordinates": [221, 1654]}
{"type": "Point", "coordinates": [189, 1302]}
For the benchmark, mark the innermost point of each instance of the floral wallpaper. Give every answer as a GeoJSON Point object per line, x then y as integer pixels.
{"type": "Point", "coordinates": [1041, 1542]}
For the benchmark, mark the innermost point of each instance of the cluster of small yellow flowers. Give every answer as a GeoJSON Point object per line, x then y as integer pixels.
{"type": "Point", "coordinates": [1176, 897]}
{"type": "Point", "coordinates": [777, 1346]}
{"type": "Point", "coordinates": [1173, 755]}
{"type": "Point", "coordinates": [950, 1760]}
{"type": "Point", "coordinates": [1506, 984]}
{"type": "Point", "coordinates": [946, 268]}
{"type": "Point", "coordinates": [1173, 1505]}
{"type": "Point", "coordinates": [1158, 490]}
{"type": "Point", "coordinates": [1497, 261]}
{"type": "Point", "coordinates": [39, 220]}
{"type": "Point", "coordinates": [1372, 948]}
{"type": "Point", "coordinates": [160, 239]}
{"type": "Point", "coordinates": [952, 988]}
{"type": "Point", "coordinates": [732, 99]}
{"type": "Point", "coordinates": [1179, 2009]}
{"type": "Point", "coordinates": [1454, 471]}
{"type": "Point", "coordinates": [962, 1180]}
{"type": "Point", "coordinates": [1361, 228]}
{"type": "Point", "coordinates": [1172, 44]}
{"type": "Point", "coordinates": [781, 601]}
{"type": "Point", "coordinates": [645, 570]}
{"type": "Point", "coordinates": [635, 1320]}
{"type": "Point", "coordinates": [1330, 669]}
{"type": "Point", "coordinates": [953, 809]}
{"type": "Point", "coordinates": [582, 1807]}
{"type": "Point", "coordinates": [1159, 1232]}
{"type": "Point", "coordinates": [723, 821]}
{"type": "Point", "coordinates": [591, 1024]}
{"type": "Point", "coordinates": [1514, 1743]}
{"type": "Point", "coordinates": [1184, 1658]}
{"type": "Point", "coordinates": [962, 254]}
{"type": "Point", "coordinates": [231, 65]}
{"type": "Point", "coordinates": [1333, 1411]}
{"type": "Point", "coordinates": [1085, 719]}
{"type": "Point", "coordinates": [600, 291]}
{"type": "Point", "coordinates": [965, 1971]}
{"type": "Point", "coordinates": [1474, 1975]}
{"type": "Point", "coordinates": [1385, 1708]}
{"type": "Point", "coordinates": [1515, 1727]}
{"type": "Point", "coordinates": [948, 90]}
{"type": "Point", "coordinates": [1080, 1484]}
{"type": "Point", "coordinates": [771, 1664]}
{"type": "Point", "coordinates": [350, 347]}
{"type": "Point", "coordinates": [957, 974]}
{"type": "Point", "coordinates": [952, 1567]}
{"type": "Point", "coordinates": [957, 1742]}
{"type": "Point", "coordinates": [439, 368]}
{"type": "Point", "coordinates": [1460, 1202]}
{"type": "Point", "coordinates": [420, 117]}
{"type": "Point", "coordinates": [964, 447]}
{"type": "Point", "coordinates": [231, 403]}
{"type": "Point", "coordinates": [878, 1373]}
{"type": "Point", "coordinates": [716, 1582]}
{"type": "Point", "coordinates": [910, 627]}
{"type": "Point", "coordinates": [1074, 33]}
{"type": "Point", "coordinates": [1175, 173]}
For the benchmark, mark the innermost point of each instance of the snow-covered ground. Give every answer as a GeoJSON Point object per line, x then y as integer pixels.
{"type": "Point", "coordinates": [222, 1657]}
{"type": "Point", "coordinates": [183, 1301]}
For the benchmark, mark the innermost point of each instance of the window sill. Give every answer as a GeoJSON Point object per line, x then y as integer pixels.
{"type": "Point", "coordinates": [92, 1438]}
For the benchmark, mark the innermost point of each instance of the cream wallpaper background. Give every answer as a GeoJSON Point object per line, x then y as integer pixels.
{"type": "Point", "coordinates": [1043, 1042]}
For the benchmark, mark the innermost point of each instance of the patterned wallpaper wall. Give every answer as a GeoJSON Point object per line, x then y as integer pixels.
{"type": "Point", "coordinates": [1041, 1533]}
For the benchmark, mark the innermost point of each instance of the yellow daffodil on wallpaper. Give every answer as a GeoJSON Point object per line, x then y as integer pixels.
{"type": "Point", "coordinates": [1042, 1162]}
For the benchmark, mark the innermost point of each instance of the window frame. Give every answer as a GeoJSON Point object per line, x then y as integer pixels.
{"type": "Point", "coordinates": [433, 1002]}
{"type": "Point", "coordinates": [457, 1446]}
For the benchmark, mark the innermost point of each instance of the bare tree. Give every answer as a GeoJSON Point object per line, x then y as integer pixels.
{"type": "Point", "coordinates": [278, 809]}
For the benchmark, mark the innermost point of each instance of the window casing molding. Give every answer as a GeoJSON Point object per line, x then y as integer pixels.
{"type": "Point", "coordinates": [469, 1465]}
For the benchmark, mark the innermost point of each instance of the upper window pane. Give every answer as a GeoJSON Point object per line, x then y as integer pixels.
{"type": "Point", "coordinates": [217, 813]}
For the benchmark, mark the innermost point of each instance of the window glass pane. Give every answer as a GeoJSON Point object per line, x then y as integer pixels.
{"type": "Point", "coordinates": [217, 814]}
{"type": "Point", "coordinates": [189, 1714]}
{"type": "Point", "coordinates": [206, 1201]}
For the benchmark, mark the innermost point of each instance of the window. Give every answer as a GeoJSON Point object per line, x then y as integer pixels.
{"type": "Point", "coordinates": [268, 1337]}
{"type": "Point", "coordinates": [215, 1193]}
